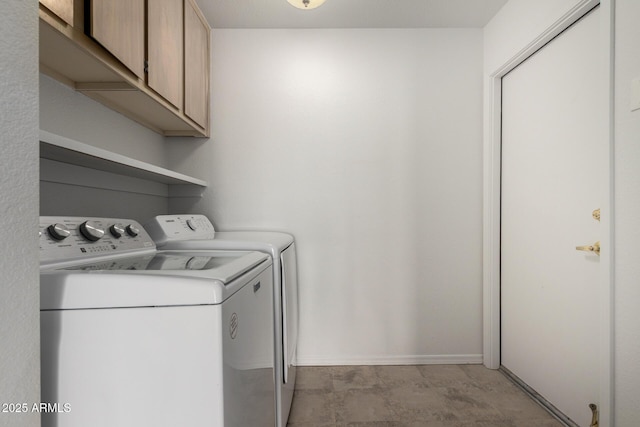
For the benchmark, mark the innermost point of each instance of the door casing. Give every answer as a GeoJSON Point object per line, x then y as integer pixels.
{"type": "Point", "coordinates": [491, 199]}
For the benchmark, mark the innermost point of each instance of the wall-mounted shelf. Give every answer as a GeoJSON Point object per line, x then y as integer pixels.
{"type": "Point", "coordinates": [65, 150]}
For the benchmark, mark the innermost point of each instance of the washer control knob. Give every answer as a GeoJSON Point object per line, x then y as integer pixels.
{"type": "Point", "coordinates": [58, 231]}
{"type": "Point", "coordinates": [91, 231]}
{"type": "Point", "coordinates": [132, 230]}
{"type": "Point", "coordinates": [117, 230]}
{"type": "Point", "coordinates": [191, 224]}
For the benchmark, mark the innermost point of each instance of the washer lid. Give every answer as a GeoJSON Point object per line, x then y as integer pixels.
{"type": "Point", "coordinates": [164, 278]}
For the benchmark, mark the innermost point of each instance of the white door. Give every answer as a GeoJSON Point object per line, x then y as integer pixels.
{"type": "Point", "coordinates": [552, 145]}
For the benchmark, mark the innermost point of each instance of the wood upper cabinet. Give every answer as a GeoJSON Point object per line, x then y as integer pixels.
{"type": "Point", "coordinates": [196, 65]}
{"type": "Point", "coordinates": [147, 59]}
{"type": "Point", "coordinates": [118, 25]}
{"type": "Point", "coordinates": [62, 8]}
{"type": "Point", "coordinates": [165, 49]}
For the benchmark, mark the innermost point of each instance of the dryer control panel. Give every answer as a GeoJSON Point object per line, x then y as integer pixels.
{"type": "Point", "coordinates": [166, 228]}
{"type": "Point", "coordinates": [76, 238]}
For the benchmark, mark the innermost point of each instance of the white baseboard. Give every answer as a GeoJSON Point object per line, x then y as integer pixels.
{"type": "Point", "coordinates": [440, 359]}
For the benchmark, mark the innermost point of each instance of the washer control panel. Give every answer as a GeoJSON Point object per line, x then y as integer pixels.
{"type": "Point", "coordinates": [166, 228]}
{"type": "Point", "coordinates": [75, 238]}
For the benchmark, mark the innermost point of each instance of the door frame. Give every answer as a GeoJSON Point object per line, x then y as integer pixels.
{"type": "Point", "coordinates": [492, 191]}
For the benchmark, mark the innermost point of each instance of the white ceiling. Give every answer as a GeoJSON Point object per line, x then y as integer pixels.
{"type": "Point", "coordinates": [351, 13]}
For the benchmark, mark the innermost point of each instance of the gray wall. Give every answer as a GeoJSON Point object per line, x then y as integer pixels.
{"type": "Point", "coordinates": [367, 146]}
{"type": "Point", "coordinates": [19, 315]}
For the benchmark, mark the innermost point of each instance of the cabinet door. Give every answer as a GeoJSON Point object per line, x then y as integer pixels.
{"type": "Point", "coordinates": [196, 65]}
{"type": "Point", "coordinates": [62, 8]}
{"type": "Point", "coordinates": [165, 43]}
{"type": "Point", "coordinates": [118, 25]}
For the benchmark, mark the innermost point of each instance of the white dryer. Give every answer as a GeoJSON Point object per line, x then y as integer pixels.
{"type": "Point", "coordinates": [196, 232]}
{"type": "Point", "coordinates": [136, 337]}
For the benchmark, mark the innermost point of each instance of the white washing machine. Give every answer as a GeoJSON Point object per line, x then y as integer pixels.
{"type": "Point", "coordinates": [196, 232]}
{"type": "Point", "coordinates": [136, 337]}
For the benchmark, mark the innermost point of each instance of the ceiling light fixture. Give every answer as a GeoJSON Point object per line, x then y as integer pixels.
{"type": "Point", "coordinates": [306, 4]}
